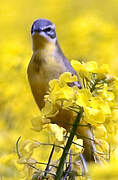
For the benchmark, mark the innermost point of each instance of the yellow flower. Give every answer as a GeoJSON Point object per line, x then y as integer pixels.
{"type": "Point", "coordinates": [53, 84]}
{"type": "Point", "coordinates": [94, 116]}
{"type": "Point", "coordinates": [49, 110]}
{"type": "Point", "coordinates": [85, 67]}
{"type": "Point", "coordinates": [57, 132]}
{"type": "Point", "coordinates": [91, 67]}
{"type": "Point", "coordinates": [56, 135]}
{"type": "Point", "coordinates": [99, 103]}
{"type": "Point", "coordinates": [77, 65]}
{"type": "Point", "coordinates": [83, 97]}
{"type": "Point", "coordinates": [67, 78]}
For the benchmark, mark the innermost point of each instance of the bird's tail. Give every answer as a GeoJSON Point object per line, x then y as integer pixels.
{"type": "Point", "coordinates": [85, 133]}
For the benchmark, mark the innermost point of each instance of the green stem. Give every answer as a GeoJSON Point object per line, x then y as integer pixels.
{"type": "Point", "coordinates": [60, 168]}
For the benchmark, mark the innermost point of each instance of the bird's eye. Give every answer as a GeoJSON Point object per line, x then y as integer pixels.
{"type": "Point", "coordinates": [47, 29]}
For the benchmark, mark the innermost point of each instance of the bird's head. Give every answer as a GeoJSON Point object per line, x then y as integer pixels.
{"type": "Point", "coordinates": [43, 32]}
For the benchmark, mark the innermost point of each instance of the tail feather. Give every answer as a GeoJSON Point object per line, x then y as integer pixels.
{"type": "Point", "coordinates": [88, 143]}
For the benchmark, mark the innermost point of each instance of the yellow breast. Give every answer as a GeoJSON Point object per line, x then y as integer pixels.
{"type": "Point", "coordinates": [40, 72]}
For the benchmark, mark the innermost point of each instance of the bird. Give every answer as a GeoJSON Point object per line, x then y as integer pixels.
{"type": "Point", "coordinates": [49, 62]}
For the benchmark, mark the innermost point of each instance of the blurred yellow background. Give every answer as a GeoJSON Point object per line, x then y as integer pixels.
{"type": "Point", "coordinates": [86, 29]}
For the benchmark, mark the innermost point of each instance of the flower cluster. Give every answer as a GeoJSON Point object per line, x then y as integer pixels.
{"type": "Point", "coordinates": [98, 98]}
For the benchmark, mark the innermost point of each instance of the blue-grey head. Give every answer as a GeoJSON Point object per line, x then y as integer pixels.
{"type": "Point", "coordinates": [43, 32]}
{"type": "Point", "coordinates": [44, 28]}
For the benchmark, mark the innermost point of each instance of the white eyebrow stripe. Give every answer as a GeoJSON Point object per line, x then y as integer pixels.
{"type": "Point", "coordinates": [50, 26]}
